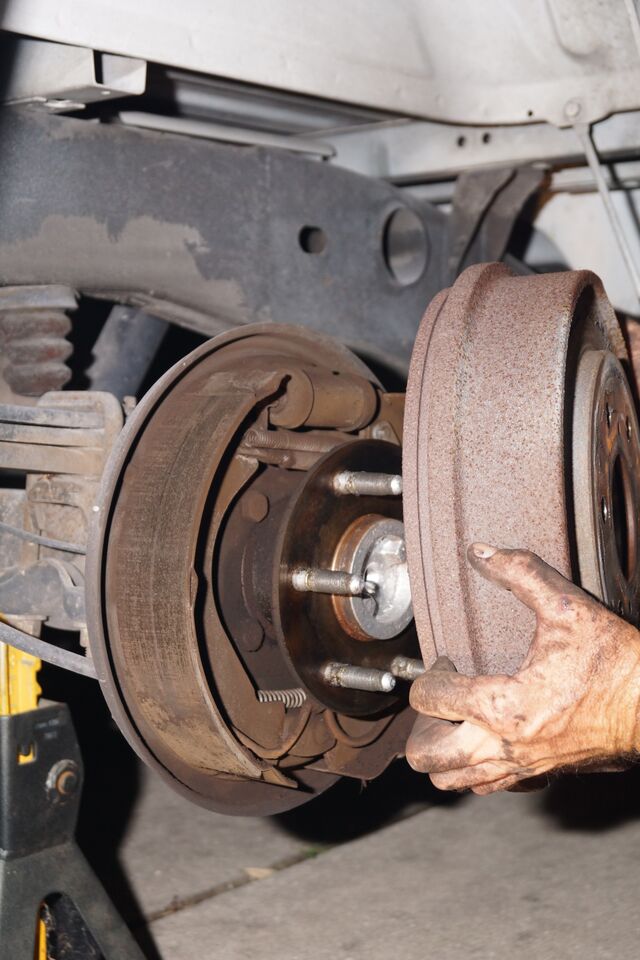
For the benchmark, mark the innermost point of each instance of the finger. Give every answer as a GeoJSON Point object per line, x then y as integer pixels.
{"type": "Point", "coordinates": [427, 729]}
{"type": "Point", "coordinates": [536, 584]}
{"type": "Point", "coordinates": [425, 742]}
{"type": "Point", "coordinates": [437, 746]}
{"type": "Point", "coordinates": [453, 696]}
{"type": "Point", "coordinates": [519, 782]}
{"type": "Point", "coordinates": [477, 776]}
{"type": "Point", "coordinates": [511, 784]}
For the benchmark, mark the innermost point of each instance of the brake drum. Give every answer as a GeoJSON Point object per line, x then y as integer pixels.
{"type": "Point", "coordinates": [520, 431]}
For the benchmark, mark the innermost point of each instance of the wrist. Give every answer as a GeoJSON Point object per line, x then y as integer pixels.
{"type": "Point", "coordinates": [625, 703]}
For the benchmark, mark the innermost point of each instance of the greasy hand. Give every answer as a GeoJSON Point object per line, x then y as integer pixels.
{"type": "Point", "coordinates": [573, 704]}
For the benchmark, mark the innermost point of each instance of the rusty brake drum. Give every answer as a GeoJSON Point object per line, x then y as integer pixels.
{"type": "Point", "coordinates": [520, 431]}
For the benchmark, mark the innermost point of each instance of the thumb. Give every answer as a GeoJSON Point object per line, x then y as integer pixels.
{"type": "Point", "coordinates": [536, 584]}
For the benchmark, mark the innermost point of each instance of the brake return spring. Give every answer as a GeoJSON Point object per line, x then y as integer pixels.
{"type": "Point", "coordinates": [290, 698]}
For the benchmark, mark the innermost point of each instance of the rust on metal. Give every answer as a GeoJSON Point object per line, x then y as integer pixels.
{"type": "Point", "coordinates": [325, 398]}
{"type": "Point", "coordinates": [487, 448]}
{"type": "Point", "coordinates": [606, 482]}
{"type": "Point", "coordinates": [314, 628]}
{"type": "Point", "coordinates": [184, 566]}
{"type": "Point", "coordinates": [33, 330]}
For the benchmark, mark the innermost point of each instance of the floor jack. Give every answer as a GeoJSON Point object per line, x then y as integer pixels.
{"type": "Point", "coordinates": [51, 902]}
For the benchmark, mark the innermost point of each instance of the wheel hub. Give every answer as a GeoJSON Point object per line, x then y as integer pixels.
{"type": "Point", "coordinates": [316, 628]}
{"type": "Point", "coordinates": [373, 548]}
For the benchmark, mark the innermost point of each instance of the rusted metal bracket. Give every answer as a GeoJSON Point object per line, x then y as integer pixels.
{"type": "Point", "coordinates": [231, 249]}
{"type": "Point", "coordinates": [486, 205]}
{"type": "Point", "coordinates": [50, 590]}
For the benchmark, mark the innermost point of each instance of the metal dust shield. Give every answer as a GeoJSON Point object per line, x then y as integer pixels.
{"type": "Point", "coordinates": [521, 431]}
{"type": "Point", "coordinates": [238, 619]}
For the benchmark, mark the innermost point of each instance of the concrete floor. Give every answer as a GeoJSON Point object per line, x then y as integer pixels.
{"type": "Point", "coordinates": [397, 870]}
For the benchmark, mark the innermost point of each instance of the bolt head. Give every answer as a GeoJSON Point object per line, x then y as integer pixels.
{"type": "Point", "coordinates": [572, 109]}
{"type": "Point", "coordinates": [382, 431]}
{"type": "Point", "coordinates": [252, 636]}
{"type": "Point", "coordinates": [255, 506]}
{"type": "Point", "coordinates": [63, 780]}
{"type": "Point", "coordinates": [67, 783]}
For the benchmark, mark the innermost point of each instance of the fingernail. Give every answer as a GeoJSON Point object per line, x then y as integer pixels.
{"type": "Point", "coordinates": [482, 551]}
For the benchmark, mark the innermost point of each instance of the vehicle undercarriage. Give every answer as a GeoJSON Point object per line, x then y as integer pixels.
{"type": "Point", "coordinates": [268, 366]}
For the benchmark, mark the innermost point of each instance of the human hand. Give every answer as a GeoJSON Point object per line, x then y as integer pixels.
{"type": "Point", "coordinates": [574, 703]}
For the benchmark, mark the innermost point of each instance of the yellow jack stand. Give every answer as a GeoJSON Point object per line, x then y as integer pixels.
{"type": "Point", "coordinates": [40, 785]}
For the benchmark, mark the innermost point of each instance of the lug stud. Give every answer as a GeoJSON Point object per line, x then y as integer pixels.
{"type": "Point", "coordinates": [407, 668]}
{"type": "Point", "coordinates": [358, 678]}
{"type": "Point", "coordinates": [336, 582]}
{"type": "Point", "coordinates": [359, 483]}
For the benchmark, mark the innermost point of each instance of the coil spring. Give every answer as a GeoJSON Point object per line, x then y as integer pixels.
{"type": "Point", "coordinates": [290, 698]}
{"type": "Point", "coordinates": [34, 327]}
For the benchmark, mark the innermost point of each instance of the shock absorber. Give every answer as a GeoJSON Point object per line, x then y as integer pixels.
{"type": "Point", "coordinates": [33, 330]}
